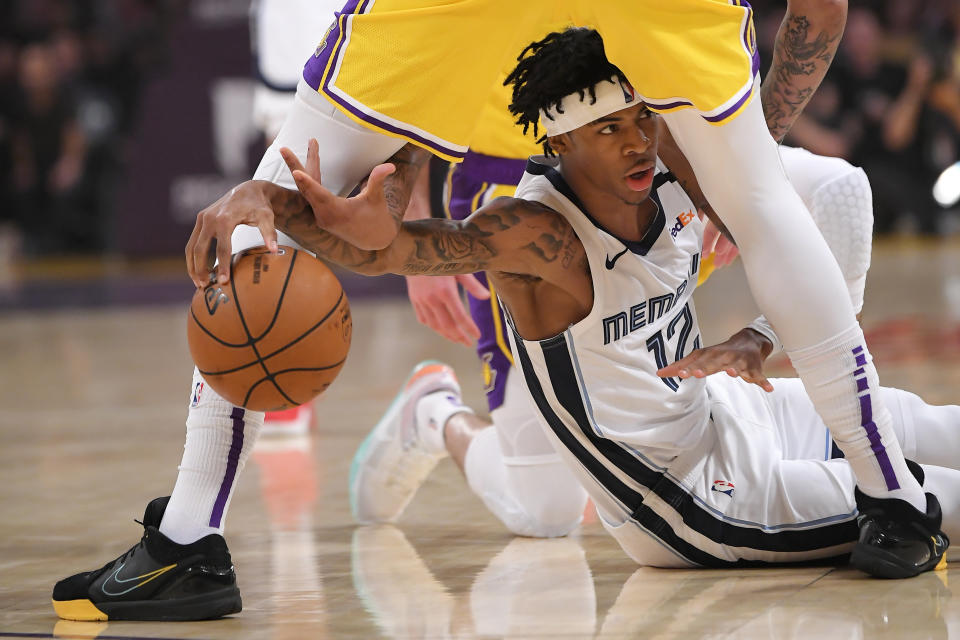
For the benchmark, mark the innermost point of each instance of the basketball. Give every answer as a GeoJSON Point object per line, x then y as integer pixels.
{"type": "Point", "coordinates": [276, 335]}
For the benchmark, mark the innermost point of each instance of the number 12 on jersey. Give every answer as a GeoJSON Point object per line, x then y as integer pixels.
{"type": "Point", "coordinates": [679, 327]}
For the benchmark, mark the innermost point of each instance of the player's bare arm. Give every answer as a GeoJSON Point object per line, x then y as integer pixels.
{"type": "Point", "coordinates": [802, 53]}
{"type": "Point", "coordinates": [529, 250]}
{"type": "Point", "coordinates": [373, 215]}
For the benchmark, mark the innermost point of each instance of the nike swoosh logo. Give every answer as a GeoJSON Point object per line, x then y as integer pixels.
{"type": "Point", "coordinates": [611, 263]}
{"type": "Point", "coordinates": [147, 577]}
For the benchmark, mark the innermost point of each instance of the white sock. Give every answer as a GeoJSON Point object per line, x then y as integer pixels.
{"type": "Point", "coordinates": [859, 422]}
{"type": "Point", "coordinates": [220, 437]}
{"type": "Point", "coordinates": [432, 412]}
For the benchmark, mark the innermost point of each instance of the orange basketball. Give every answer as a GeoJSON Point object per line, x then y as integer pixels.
{"type": "Point", "coordinates": [276, 335]}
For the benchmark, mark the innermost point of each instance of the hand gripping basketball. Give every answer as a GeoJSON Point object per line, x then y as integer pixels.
{"type": "Point", "coordinates": [276, 335]}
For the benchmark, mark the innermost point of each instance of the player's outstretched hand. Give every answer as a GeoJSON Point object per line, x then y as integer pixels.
{"type": "Point", "coordinates": [436, 301]}
{"type": "Point", "coordinates": [365, 220]}
{"type": "Point", "coordinates": [247, 203]}
{"type": "Point", "coordinates": [742, 355]}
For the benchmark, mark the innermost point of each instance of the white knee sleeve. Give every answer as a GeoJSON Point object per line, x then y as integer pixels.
{"type": "Point", "coordinates": [514, 469]}
{"type": "Point", "coordinates": [840, 201]}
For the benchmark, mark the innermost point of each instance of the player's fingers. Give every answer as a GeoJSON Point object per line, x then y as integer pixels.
{"type": "Point", "coordinates": [451, 328]}
{"type": "Point", "coordinates": [291, 159]}
{"type": "Point", "coordinates": [464, 324]}
{"type": "Point", "coordinates": [223, 257]}
{"type": "Point", "coordinates": [195, 276]}
{"type": "Point", "coordinates": [472, 285]}
{"type": "Point", "coordinates": [316, 194]}
{"type": "Point", "coordinates": [440, 324]}
{"type": "Point", "coordinates": [374, 188]}
{"type": "Point", "coordinates": [313, 159]}
{"type": "Point", "coordinates": [201, 255]}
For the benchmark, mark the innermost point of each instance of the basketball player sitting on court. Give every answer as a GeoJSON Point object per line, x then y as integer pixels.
{"type": "Point", "coordinates": [507, 460]}
{"type": "Point", "coordinates": [595, 262]}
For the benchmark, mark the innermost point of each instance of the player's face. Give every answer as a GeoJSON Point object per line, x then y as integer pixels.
{"type": "Point", "coordinates": [616, 153]}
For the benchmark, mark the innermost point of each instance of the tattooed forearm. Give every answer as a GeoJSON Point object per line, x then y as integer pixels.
{"type": "Point", "coordinates": [803, 51]}
{"type": "Point", "coordinates": [293, 214]}
{"type": "Point", "coordinates": [409, 160]}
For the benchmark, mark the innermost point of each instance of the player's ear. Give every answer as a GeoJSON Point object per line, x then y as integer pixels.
{"type": "Point", "coordinates": [559, 143]}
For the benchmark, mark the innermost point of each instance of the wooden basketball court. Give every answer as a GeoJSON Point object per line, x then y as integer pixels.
{"type": "Point", "coordinates": [92, 407]}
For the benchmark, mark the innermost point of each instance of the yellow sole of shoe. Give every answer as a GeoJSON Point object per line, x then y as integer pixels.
{"type": "Point", "coordinates": [82, 610]}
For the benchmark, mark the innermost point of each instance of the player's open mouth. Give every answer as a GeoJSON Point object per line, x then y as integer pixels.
{"type": "Point", "coordinates": [640, 180]}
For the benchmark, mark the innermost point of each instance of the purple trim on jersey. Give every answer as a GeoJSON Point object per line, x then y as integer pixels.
{"type": "Point", "coordinates": [669, 105]}
{"type": "Point", "coordinates": [316, 64]}
{"type": "Point", "coordinates": [873, 434]}
{"type": "Point", "coordinates": [726, 113]}
{"type": "Point", "coordinates": [233, 459]}
{"type": "Point", "coordinates": [493, 169]}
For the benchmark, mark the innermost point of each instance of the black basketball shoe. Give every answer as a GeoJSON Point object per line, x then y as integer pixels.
{"type": "Point", "coordinates": [896, 540]}
{"type": "Point", "coordinates": [157, 579]}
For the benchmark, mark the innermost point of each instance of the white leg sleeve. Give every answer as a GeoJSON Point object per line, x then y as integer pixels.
{"type": "Point", "coordinates": [515, 470]}
{"type": "Point", "coordinates": [945, 484]}
{"type": "Point", "coordinates": [739, 168]}
{"type": "Point", "coordinates": [347, 150]}
{"type": "Point", "coordinates": [929, 434]}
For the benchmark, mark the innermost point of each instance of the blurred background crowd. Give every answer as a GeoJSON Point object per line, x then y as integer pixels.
{"type": "Point", "coordinates": [74, 75]}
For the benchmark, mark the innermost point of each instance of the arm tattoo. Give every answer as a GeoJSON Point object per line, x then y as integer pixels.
{"type": "Point", "coordinates": [293, 214]}
{"type": "Point", "coordinates": [801, 57]}
{"type": "Point", "coordinates": [409, 160]}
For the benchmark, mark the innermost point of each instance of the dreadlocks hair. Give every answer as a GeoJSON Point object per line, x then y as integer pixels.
{"type": "Point", "coordinates": [563, 63]}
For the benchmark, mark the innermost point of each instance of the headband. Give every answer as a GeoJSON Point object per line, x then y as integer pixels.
{"type": "Point", "coordinates": [612, 95]}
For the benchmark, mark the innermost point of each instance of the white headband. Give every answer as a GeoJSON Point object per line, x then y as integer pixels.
{"type": "Point", "coordinates": [612, 95]}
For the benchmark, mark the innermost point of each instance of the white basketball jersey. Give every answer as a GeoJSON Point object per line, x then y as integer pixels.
{"type": "Point", "coordinates": [595, 385]}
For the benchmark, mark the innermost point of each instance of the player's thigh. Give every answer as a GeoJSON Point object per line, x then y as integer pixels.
{"type": "Point", "coordinates": [421, 69]}
{"type": "Point", "coordinates": [682, 53]}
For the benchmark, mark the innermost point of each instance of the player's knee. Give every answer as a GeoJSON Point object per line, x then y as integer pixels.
{"type": "Point", "coordinates": [552, 512]}
{"type": "Point", "coordinates": [546, 520]}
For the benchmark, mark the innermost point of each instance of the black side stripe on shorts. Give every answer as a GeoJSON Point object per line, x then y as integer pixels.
{"type": "Point", "coordinates": [640, 512]}
{"type": "Point", "coordinates": [696, 516]}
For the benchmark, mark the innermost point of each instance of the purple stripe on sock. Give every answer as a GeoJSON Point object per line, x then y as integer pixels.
{"type": "Point", "coordinates": [862, 384]}
{"type": "Point", "coordinates": [861, 360]}
{"type": "Point", "coordinates": [858, 372]}
{"type": "Point", "coordinates": [233, 458]}
{"type": "Point", "coordinates": [858, 350]}
{"type": "Point", "coordinates": [876, 444]}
